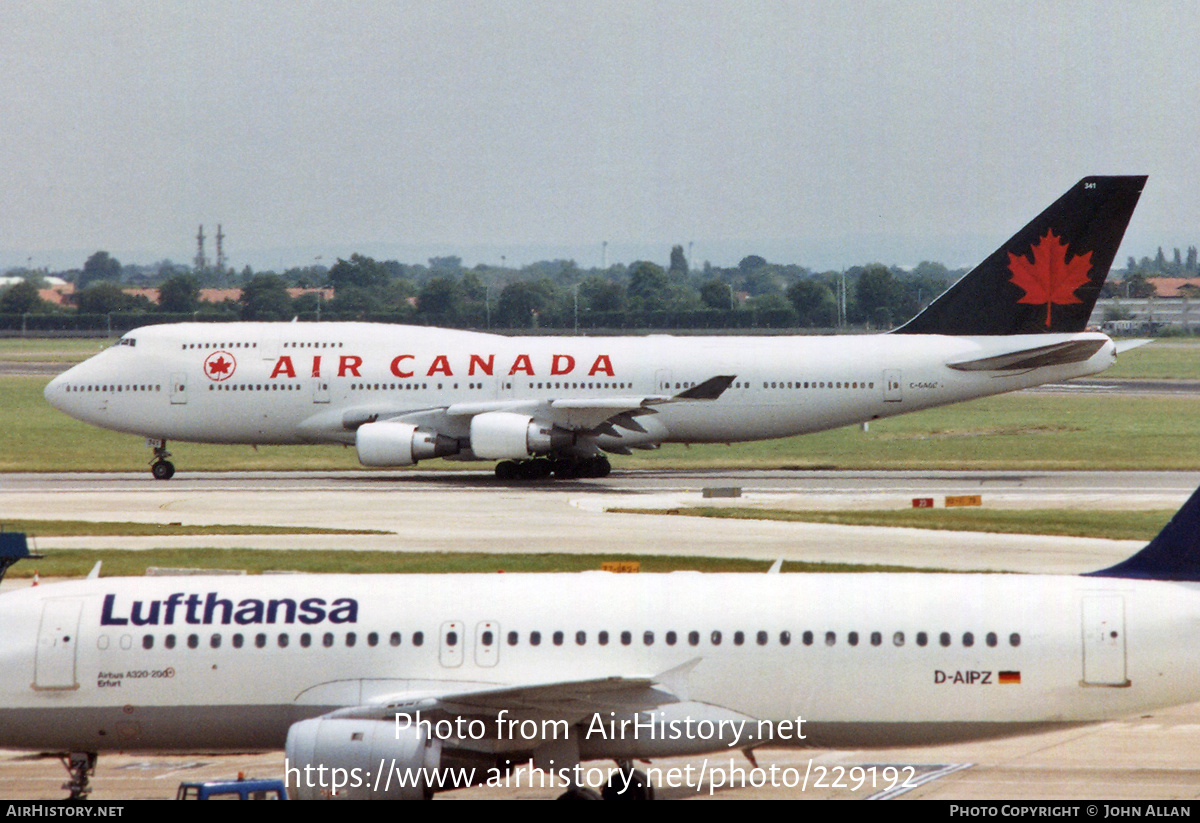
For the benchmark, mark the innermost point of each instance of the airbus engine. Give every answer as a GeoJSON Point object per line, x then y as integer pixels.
{"type": "Point", "coordinates": [399, 444]}
{"type": "Point", "coordinates": [511, 436]}
{"type": "Point", "coordinates": [340, 758]}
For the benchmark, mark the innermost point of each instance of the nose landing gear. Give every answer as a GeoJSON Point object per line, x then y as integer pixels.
{"type": "Point", "coordinates": [80, 767]}
{"type": "Point", "coordinates": [160, 466]}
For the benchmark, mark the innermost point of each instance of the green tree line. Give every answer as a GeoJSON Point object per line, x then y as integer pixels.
{"type": "Point", "coordinates": [549, 294]}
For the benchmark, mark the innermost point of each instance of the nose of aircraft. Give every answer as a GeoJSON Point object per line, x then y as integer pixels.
{"type": "Point", "coordinates": [55, 392]}
{"type": "Point", "coordinates": [58, 391]}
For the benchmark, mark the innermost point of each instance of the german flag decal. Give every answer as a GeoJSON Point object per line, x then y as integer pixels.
{"type": "Point", "coordinates": [1010, 678]}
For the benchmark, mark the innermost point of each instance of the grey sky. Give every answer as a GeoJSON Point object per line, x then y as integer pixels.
{"type": "Point", "coordinates": [826, 134]}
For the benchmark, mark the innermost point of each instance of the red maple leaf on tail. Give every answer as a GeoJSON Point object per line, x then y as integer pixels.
{"type": "Point", "coordinates": [1050, 278]}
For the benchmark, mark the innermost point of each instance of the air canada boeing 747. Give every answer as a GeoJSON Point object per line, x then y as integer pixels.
{"type": "Point", "coordinates": [396, 685]}
{"type": "Point", "coordinates": [543, 405]}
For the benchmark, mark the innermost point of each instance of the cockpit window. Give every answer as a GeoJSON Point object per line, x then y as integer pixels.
{"type": "Point", "coordinates": [127, 341]}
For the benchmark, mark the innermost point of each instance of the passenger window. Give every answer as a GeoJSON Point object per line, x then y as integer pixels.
{"type": "Point", "coordinates": [1014, 639]}
{"type": "Point", "coordinates": [351, 639]}
{"type": "Point", "coordinates": [968, 639]}
{"type": "Point", "coordinates": [580, 638]}
{"type": "Point", "coordinates": [327, 640]}
{"type": "Point", "coordinates": [237, 641]}
{"type": "Point", "coordinates": [648, 638]}
{"type": "Point", "coordinates": [852, 638]}
{"type": "Point", "coordinates": [761, 638]}
{"type": "Point", "coordinates": [992, 639]}
{"type": "Point", "coordinates": [922, 638]}
{"type": "Point", "coordinates": [944, 638]}
{"type": "Point", "coordinates": [739, 638]}
{"type": "Point", "coordinates": [535, 638]}
{"type": "Point", "coordinates": [148, 641]}
{"type": "Point", "coordinates": [785, 638]}
{"type": "Point", "coordinates": [193, 641]}
{"type": "Point", "coordinates": [602, 638]}
{"type": "Point", "coordinates": [830, 638]}
{"type": "Point", "coordinates": [215, 641]}
{"type": "Point", "coordinates": [807, 638]}
{"type": "Point", "coordinates": [169, 641]}
{"type": "Point", "coordinates": [305, 640]}
{"type": "Point", "coordinates": [558, 638]}
{"type": "Point", "coordinates": [395, 639]}
{"type": "Point", "coordinates": [876, 638]}
{"type": "Point", "coordinates": [451, 638]}
{"type": "Point", "coordinates": [283, 640]}
{"type": "Point", "coordinates": [672, 638]}
{"type": "Point", "coordinates": [898, 639]}
{"type": "Point", "coordinates": [693, 638]}
{"type": "Point", "coordinates": [626, 638]}
{"type": "Point", "coordinates": [373, 639]}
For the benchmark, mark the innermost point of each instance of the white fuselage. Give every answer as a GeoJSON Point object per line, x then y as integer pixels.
{"type": "Point", "coordinates": [865, 659]}
{"type": "Point", "coordinates": [315, 383]}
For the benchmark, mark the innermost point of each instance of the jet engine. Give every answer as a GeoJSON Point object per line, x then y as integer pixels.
{"type": "Point", "coordinates": [507, 435]}
{"type": "Point", "coordinates": [399, 444]}
{"type": "Point", "coordinates": [340, 758]}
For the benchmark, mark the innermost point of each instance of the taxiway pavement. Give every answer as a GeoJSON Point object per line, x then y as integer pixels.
{"type": "Point", "coordinates": [472, 512]}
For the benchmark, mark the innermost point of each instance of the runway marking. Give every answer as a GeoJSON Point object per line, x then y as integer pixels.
{"type": "Point", "coordinates": [927, 777]}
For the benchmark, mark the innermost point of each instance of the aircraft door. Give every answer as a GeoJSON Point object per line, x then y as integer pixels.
{"type": "Point", "coordinates": [450, 650]}
{"type": "Point", "coordinates": [487, 643]}
{"type": "Point", "coordinates": [320, 389]}
{"type": "Point", "coordinates": [1104, 641]}
{"type": "Point", "coordinates": [179, 388]}
{"type": "Point", "coordinates": [892, 392]}
{"type": "Point", "coordinates": [662, 381]}
{"type": "Point", "coordinates": [54, 664]}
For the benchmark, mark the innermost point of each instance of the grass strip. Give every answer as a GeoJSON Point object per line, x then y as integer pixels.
{"type": "Point", "coordinates": [1113, 525]}
{"type": "Point", "coordinates": [124, 563]}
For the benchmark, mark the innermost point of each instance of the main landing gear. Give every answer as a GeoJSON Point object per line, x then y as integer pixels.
{"type": "Point", "coordinates": [630, 784]}
{"type": "Point", "coordinates": [161, 467]}
{"type": "Point", "coordinates": [627, 783]}
{"type": "Point", "coordinates": [563, 468]}
{"type": "Point", "coordinates": [80, 767]}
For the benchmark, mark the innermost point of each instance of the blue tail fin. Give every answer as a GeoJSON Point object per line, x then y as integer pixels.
{"type": "Point", "coordinates": [1173, 555]}
{"type": "Point", "coordinates": [13, 547]}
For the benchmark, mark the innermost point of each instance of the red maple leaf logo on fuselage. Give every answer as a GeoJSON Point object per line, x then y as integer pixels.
{"type": "Point", "coordinates": [219, 366]}
{"type": "Point", "coordinates": [1050, 278]}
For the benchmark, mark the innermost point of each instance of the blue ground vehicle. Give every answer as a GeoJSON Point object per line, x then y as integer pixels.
{"type": "Point", "coordinates": [239, 789]}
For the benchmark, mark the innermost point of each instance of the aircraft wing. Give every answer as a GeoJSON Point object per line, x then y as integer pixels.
{"type": "Point", "coordinates": [581, 414]}
{"type": "Point", "coordinates": [570, 700]}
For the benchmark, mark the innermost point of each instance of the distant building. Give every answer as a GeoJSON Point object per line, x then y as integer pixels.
{"type": "Point", "coordinates": [221, 295]}
{"type": "Point", "coordinates": [1175, 304]}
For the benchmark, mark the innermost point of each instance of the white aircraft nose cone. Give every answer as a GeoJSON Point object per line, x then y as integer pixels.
{"type": "Point", "coordinates": [55, 392]}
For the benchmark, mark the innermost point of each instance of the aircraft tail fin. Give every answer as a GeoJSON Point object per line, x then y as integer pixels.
{"type": "Point", "coordinates": [1173, 555]}
{"type": "Point", "coordinates": [14, 547]}
{"type": "Point", "coordinates": [1047, 277]}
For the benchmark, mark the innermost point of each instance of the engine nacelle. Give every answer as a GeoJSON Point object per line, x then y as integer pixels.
{"type": "Point", "coordinates": [399, 444]}
{"type": "Point", "coordinates": [509, 436]}
{"type": "Point", "coordinates": [331, 758]}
